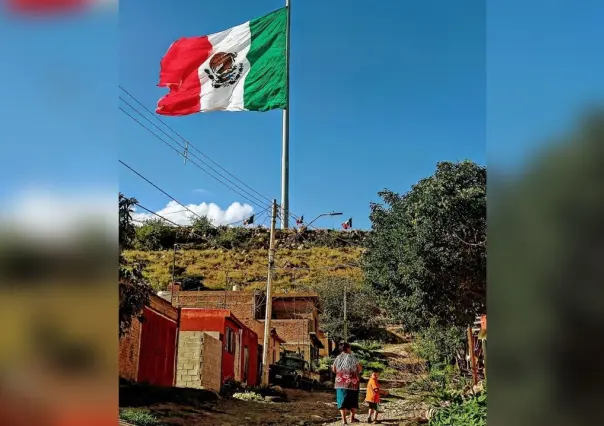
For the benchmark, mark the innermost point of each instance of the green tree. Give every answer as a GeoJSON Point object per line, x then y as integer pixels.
{"type": "Point", "coordinates": [127, 230]}
{"type": "Point", "coordinates": [203, 226]}
{"type": "Point", "coordinates": [134, 292]}
{"type": "Point", "coordinates": [155, 234]}
{"type": "Point", "coordinates": [364, 319]}
{"type": "Point", "coordinates": [426, 256]}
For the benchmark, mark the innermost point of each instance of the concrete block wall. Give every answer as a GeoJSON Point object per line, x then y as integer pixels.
{"type": "Point", "coordinates": [199, 361]}
{"type": "Point", "coordinates": [188, 365]}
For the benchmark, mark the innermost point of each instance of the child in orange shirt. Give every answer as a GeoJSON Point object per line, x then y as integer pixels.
{"type": "Point", "coordinates": [373, 396]}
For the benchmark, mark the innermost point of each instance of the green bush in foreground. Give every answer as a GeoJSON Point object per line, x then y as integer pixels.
{"type": "Point", "coordinates": [467, 412]}
{"type": "Point", "coordinates": [138, 417]}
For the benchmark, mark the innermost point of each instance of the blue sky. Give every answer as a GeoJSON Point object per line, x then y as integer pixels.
{"type": "Point", "coordinates": [379, 95]}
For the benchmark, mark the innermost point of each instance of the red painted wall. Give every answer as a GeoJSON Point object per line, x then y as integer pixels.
{"type": "Point", "coordinates": [218, 320]}
{"type": "Point", "coordinates": [157, 349]}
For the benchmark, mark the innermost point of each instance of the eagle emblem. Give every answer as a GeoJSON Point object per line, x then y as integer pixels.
{"type": "Point", "coordinates": [223, 70]}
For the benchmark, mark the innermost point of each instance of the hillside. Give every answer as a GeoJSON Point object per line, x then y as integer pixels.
{"type": "Point", "coordinates": [301, 267]}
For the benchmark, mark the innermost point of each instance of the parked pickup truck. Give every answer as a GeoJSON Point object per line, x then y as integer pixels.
{"type": "Point", "coordinates": [291, 371]}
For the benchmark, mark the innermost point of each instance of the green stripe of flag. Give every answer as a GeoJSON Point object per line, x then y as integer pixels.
{"type": "Point", "coordinates": [266, 83]}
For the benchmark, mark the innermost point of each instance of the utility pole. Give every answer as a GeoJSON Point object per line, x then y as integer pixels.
{"type": "Point", "coordinates": [269, 298]}
{"type": "Point", "coordinates": [345, 317]}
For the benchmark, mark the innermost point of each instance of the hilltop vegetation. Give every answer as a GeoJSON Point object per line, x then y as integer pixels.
{"type": "Point", "coordinates": [219, 257]}
{"type": "Point", "coordinates": [248, 268]}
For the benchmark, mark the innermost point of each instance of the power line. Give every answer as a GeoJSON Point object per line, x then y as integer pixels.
{"type": "Point", "coordinates": [158, 188]}
{"type": "Point", "coordinates": [193, 146]}
{"type": "Point", "coordinates": [167, 220]}
{"type": "Point", "coordinates": [257, 203]}
{"type": "Point", "coordinates": [188, 144]}
{"type": "Point", "coordinates": [249, 196]}
{"type": "Point", "coordinates": [174, 199]}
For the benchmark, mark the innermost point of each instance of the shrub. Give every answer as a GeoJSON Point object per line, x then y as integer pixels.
{"type": "Point", "coordinates": [372, 365]}
{"type": "Point", "coordinates": [230, 387]}
{"type": "Point", "coordinates": [439, 344]}
{"type": "Point", "coordinates": [234, 238]}
{"type": "Point", "coordinates": [155, 234]}
{"type": "Point", "coordinates": [369, 345]}
{"type": "Point", "coordinates": [325, 364]}
{"type": "Point", "coordinates": [388, 373]}
{"type": "Point", "coordinates": [138, 417]}
{"type": "Point", "coordinates": [470, 411]}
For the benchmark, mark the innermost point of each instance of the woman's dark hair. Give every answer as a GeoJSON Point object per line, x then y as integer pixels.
{"type": "Point", "coordinates": [344, 347]}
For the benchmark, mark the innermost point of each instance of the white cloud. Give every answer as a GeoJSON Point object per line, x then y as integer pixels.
{"type": "Point", "coordinates": [177, 214]}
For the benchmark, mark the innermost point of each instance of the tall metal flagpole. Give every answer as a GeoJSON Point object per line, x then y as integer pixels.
{"type": "Point", "coordinates": [285, 149]}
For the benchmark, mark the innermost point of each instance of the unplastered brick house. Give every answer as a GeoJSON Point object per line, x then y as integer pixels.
{"type": "Point", "coordinates": [295, 316]}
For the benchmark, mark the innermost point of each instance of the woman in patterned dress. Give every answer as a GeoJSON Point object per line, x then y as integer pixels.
{"type": "Point", "coordinates": [347, 370]}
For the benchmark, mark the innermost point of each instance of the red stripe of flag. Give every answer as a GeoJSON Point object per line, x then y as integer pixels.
{"type": "Point", "coordinates": [179, 72]}
{"type": "Point", "coordinates": [46, 6]}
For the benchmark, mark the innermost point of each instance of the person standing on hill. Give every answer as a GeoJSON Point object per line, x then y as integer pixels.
{"type": "Point", "coordinates": [347, 369]}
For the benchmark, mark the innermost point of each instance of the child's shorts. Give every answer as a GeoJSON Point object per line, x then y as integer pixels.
{"type": "Point", "coordinates": [372, 405]}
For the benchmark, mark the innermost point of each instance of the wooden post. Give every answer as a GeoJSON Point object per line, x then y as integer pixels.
{"type": "Point", "coordinates": [472, 357]}
{"type": "Point", "coordinates": [345, 316]}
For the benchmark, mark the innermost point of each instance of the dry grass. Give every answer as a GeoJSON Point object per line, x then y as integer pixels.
{"type": "Point", "coordinates": [249, 267]}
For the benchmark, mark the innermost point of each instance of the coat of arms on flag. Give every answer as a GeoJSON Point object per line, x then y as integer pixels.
{"type": "Point", "coordinates": [248, 221]}
{"type": "Point", "coordinates": [300, 221]}
{"type": "Point", "coordinates": [347, 224]}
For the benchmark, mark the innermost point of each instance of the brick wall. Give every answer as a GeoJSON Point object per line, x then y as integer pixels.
{"type": "Point", "coordinates": [199, 361]}
{"type": "Point", "coordinates": [163, 307]}
{"type": "Point", "coordinates": [129, 351]}
{"type": "Point", "coordinates": [327, 348]}
{"type": "Point", "coordinates": [292, 331]}
{"type": "Point", "coordinates": [293, 307]}
{"type": "Point", "coordinates": [211, 360]}
{"type": "Point", "coordinates": [296, 335]}
{"type": "Point", "coordinates": [242, 304]}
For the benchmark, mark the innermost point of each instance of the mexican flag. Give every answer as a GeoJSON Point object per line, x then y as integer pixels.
{"type": "Point", "coordinates": [347, 224]}
{"type": "Point", "coordinates": [249, 221]}
{"type": "Point", "coordinates": [243, 68]}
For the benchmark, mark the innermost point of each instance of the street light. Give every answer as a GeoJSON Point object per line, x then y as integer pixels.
{"type": "Point", "coordinates": [321, 215]}
{"type": "Point", "coordinates": [174, 264]}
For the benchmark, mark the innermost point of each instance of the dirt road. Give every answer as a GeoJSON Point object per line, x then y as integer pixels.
{"type": "Point", "coordinates": [301, 408]}
{"type": "Point", "coordinates": [175, 406]}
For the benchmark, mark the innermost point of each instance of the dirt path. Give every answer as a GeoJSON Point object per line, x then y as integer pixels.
{"type": "Point", "coordinates": [195, 408]}
{"type": "Point", "coordinates": [301, 408]}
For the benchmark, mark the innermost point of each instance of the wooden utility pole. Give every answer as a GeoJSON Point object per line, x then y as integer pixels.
{"type": "Point", "coordinates": [472, 356]}
{"type": "Point", "coordinates": [345, 316]}
{"type": "Point", "coordinates": [269, 298]}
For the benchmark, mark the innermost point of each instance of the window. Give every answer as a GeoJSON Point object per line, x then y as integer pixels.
{"type": "Point", "coordinates": [230, 340]}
